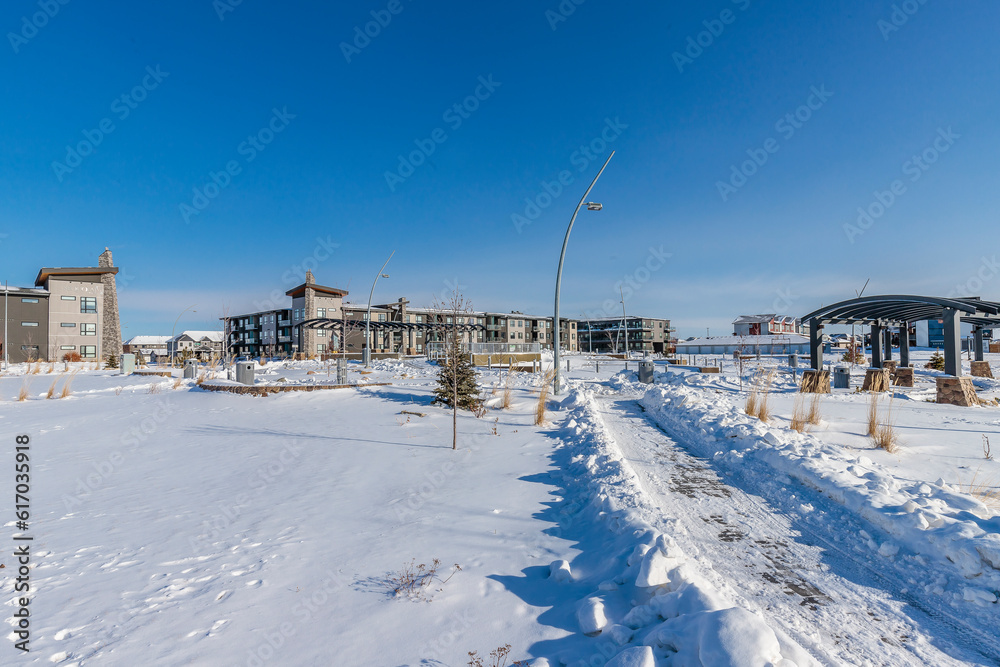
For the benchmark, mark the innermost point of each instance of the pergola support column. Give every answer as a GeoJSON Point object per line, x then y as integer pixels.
{"type": "Point", "coordinates": [904, 346]}
{"type": "Point", "coordinates": [887, 340]}
{"type": "Point", "coordinates": [980, 352]}
{"type": "Point", "coordinates": [952, 342]}
{"type": "Point", "coordinates": [876, 340]}
{"type": "Point", "coordinates": [816, 344]}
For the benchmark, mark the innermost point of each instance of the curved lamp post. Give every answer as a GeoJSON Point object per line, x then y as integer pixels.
{"type": "Point", "coordinates": [591, 206]}
{"type": "Point", "coordinates": [367, 350]}
{"type": "Point", "coordinates": [173, 349]}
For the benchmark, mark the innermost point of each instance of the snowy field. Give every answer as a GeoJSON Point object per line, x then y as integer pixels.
{"type": "Point", "coordinates": [640, 526]}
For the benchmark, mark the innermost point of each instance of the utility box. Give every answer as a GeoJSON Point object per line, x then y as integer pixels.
{"type": "Point", "coordinates": [126, 364]}
{"type": "Point", "coordinates": [190, 369]}
{"type": "Point", "coordinates": [341, 370]}
{"type": "Point", "coordinates": [842, 377]}
{"type": "Point", "coordinates": [244, 372]}
{"type": "Point", "coordinates": [646, 372]}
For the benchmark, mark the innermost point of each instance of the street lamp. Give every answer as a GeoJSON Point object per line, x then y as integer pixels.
{"type": "Point", "coordinates": [591, 206]}
{"type": "Point", "coordinates": [173, 348]}
{"type": "Point", "coordinates": [366, 352]}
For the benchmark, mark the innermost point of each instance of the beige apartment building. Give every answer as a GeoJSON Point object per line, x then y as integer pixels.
{"type": "Point", "coordinates": [69, 310]}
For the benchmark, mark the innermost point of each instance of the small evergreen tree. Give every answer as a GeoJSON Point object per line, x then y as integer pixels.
{"type": "Point", "coordinates": [112, 361]}
{"type": "Point", "coordinates": [457, 365]}
{"type": "Point", "coordinates": [936, 362]}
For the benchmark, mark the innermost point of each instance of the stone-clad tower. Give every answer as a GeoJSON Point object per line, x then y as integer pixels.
{"type": "Point", "coordinates": [309, 312]}
{"type": "Point", "coordinates": [111, 337]}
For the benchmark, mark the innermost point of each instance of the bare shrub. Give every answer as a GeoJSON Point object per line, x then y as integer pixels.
{"type": "Point", "coordinates": [154, 388]}
{"type": "Point", "coordinates": [118, 390]}
{"type": "Point", "coordinates": [752, 399]}
{"type": "Point", "coordinates": [72, 356]}
{"type": "Point", "coordinates": [498, 658]}
{"type": "Point", "coordinates": [412, 580]}
{"type": "Point", "coordinates": [986, 449]}
{"type": "Point", "coordinates": [763, 382]}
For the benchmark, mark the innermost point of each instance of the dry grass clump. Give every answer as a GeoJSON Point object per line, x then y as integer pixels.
{"type": "Point", "coordinates": [37, 369]}
{"type": "Point", "coordinates": [22, 395]}
{"type": "Point", "coordinates": [758, 400]}
{"type": "Point", "coordinates": [873, 413]}
{"type": "Point", "coordinates": [178, 382]}
{"type": "Point", "coordinates": [154, 388]}
{"type": "Point", "coordinates": [543, 397]}
{"type": "Point", "coordinates": [201, 379]}
{"type": "Point", "coordinates": [66, 390]}
{"type": "Point", "coordinates": [984, 490]}
{"type": "Point", "coordinates": [52, 368]}
{"type": "Point", "coordinates": [883, 431]}
{"type": "Point", "coordinates": [508, 393]}
{"type": "Point", "coordinates": [815, 414]}
{"type": "Point", "coordinates": [52, 389]}
{"type": "Point", "coordinates": [799, 415]}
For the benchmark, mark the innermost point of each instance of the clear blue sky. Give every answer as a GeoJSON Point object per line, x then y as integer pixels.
{"type": "Point", "coordinates": [776, 242]}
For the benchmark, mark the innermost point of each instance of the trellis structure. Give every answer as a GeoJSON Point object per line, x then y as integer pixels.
{"type": "Point", "coordinates": [883, 313]}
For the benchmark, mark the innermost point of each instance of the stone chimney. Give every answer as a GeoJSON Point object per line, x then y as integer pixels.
{"type": "Point", "coordinates": [310, 278]}
{"type": "Point", "coordinates": [111, 331]}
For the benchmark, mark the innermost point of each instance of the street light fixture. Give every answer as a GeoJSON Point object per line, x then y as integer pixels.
{"type": "Point", "coordinates": [366, 351]}
{"type": "Point", "coordinates": [591, 206]}
{"type": "Point", "coordinates": [173, 348]}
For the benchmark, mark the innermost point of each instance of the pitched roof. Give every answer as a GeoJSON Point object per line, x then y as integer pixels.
{"type": "Point", "coordinates": [147, 340]}
{"type": "Point", "coordinates": [212, 336]}
{"type": "Point", "coordinates": [323, 289]}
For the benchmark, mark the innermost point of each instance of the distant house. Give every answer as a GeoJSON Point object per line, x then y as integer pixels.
{"type": "Point", "coordinates": [202, 344]}
{"type": "Point", "coordinates": [150, 347]}
{"type": "Point", "coordinates": [765, 325]}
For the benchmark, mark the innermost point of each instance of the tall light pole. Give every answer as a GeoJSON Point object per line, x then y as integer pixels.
{"type": "Point", "coordinates": [591, 206]}
{"type": "Point", "coordinates": [173, 348]}
{"type": "Point", "coordinates": [366, 351]}
{"type": "Point", "coordinates": [621, 290]}
{"type": "Point", "coordinates": [6, 297]}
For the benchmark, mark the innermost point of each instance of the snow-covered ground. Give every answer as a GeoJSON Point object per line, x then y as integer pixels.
{"type": "Point", "coordinates": [651, 526]}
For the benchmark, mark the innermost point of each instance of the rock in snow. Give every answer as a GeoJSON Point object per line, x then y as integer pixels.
{"type": "Point", "coordinates": [591, 616]}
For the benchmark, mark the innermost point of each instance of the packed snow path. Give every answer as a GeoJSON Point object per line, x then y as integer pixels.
{"type": "Point", "coordinates": [813, 577]}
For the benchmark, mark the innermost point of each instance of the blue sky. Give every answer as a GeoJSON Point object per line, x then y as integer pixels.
{"type": "Point", "coordinates": [329, 127]}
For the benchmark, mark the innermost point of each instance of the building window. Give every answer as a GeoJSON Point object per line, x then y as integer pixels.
{"type": "Point", "coordinates": [321, 348]}
{"type": "Point", "coordinates": [321, 312]}
{"type": "Point", "coordinates": [321, 333]}
{"type": "Point", "coordinates": [88, 304]}
{"type": "Point", "coordinates": [88, 351]}
{"type": "Point", "coordinates": [29, 324]}
{"type": "Point", "coordinates": [88, 329]}
{"type": "Point", "coordinates": [67, 347]}
{"type": "Point", "coordinates": [68, 298]}
{"type": "Point", "coordinates": [32, 350]}
{"type": "Point", "coordinates": [29, 300]}
{"type": "Point", "coordinates": [420, 318]}
{"type": "Point", "coordinates": [68, 324]}
{"type": "Point", "coordinates": [381, 317]}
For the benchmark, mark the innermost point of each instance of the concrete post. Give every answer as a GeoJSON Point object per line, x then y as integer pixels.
{"type": "Point", "coordinates": [887, 337]}
{"type": "Point", "coordinates": [978, 333]}
{"type": "Point", "coordinates": [876, 340]}
{"type": "Point", "coordinates": [816, 345]}
{"type": "Point", "coordinates": [952, 342]}
{"type": "Point", "coordinates": [904, 346]}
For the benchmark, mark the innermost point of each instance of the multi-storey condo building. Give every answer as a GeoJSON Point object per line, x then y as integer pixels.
{"type": "Point", "coordinates": [644, 334]}
{"type": "Point", "coordinates": [69, 310]}
{"type": "Point", "coordinates": [279, 332]}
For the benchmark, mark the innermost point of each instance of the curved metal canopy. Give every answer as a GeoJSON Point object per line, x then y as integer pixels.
{"type": "Point", "coordinates": [901, 309]}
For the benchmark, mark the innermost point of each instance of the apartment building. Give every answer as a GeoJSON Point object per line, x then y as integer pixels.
{"type": "Point", "coordinates": [204, 345]}
{"type": "Point", "coordinates": [615, 335]}
{"type": "Point", "coordinates": [69, 310]}
{"type": "Point", "coordinates": [766, 324]}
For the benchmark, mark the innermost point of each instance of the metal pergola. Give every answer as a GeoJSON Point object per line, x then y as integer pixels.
{"type": "Point", "coordinates": [883, 313]}
{"type": "Point", "coordinates": [339, 325]}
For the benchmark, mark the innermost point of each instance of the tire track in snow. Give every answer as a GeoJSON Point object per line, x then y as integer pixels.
{"type": "Point", "coordinates": [764, 561]}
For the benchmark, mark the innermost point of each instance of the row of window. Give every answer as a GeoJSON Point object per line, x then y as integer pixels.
{"type": "Point", "coordinates": [86, 351]}
{"type": "Point", "coordinates": [86, 328]}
